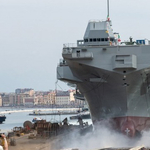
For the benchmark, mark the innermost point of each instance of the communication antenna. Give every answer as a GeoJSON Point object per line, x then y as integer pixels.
{"type": "Point", "coordinates": [107, 8]}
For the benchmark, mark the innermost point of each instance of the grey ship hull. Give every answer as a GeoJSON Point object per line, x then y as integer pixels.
{"type": "Point", "coordinates": [114, 80]}
{"type": "Point", "coordinates": [116, 97]}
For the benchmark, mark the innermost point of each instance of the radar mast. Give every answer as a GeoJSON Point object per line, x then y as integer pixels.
{"type": "Point", "coordinates": [107, 8]}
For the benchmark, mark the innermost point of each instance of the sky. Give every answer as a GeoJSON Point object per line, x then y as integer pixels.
{"type": "Point", "coordinates": [32, 34]}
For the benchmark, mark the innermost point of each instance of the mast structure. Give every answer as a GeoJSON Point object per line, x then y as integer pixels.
{"type": "Point", "coordinates": [107, 8]}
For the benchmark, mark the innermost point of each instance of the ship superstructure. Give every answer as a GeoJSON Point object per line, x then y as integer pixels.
{"type": "Point", "coordinates": [114, 77]}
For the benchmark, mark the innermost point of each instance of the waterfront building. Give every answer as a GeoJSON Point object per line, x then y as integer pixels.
{"type": "Point", "coordinates": [39, 100]}
{"type": "Point", "coordinates": [0, 100]}
{"type": "Point", "coordinates": [19, 90]}
{"type": "Point", "coordinates": [46, 98]}
{"type": "Point", "coordinates": [12, 99]}
{"type": "Point", "coordinates": [30, 92]}
{"type": "Point", "coordinates": [72, 98]}
{"type": "Point", "coordinates": [8, 99]}
{"type": "Point", "coordinates": [20, 99]}
{"type": "Point", "coordinates": [28, 101]}
{"type": "Point", "coordinates": [5, 100]}
{"type": "Point", "coordinates": [51, 97]}
{"type": "Point", "coordinates": [62, 98]}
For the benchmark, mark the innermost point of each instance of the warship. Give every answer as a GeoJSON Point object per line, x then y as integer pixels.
{"type": "Point", "coordinates": [113, 76]}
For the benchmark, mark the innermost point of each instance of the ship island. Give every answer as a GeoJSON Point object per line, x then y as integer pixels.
{"type": "Point", "coordinates": [112, 76]}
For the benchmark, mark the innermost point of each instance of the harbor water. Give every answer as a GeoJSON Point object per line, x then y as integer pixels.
{"type": "Point", "coordinates": [16, 117]}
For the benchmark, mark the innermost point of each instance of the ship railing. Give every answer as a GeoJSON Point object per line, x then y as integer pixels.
{"type": "Point", "coordinates": [69, 45]}
{"type": "Point", "coordinates": [62, 62]}
{"type": "Point", "coordinates": [96, 20]}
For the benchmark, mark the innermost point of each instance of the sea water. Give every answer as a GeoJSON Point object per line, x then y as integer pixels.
{"type": "Point", "coordinates": [16, 117]}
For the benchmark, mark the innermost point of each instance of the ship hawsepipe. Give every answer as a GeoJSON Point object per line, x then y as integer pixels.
{"type": "Point", "coordinates": [114, 77]}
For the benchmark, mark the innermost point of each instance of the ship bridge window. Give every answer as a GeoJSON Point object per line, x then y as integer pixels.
{"type": "Point", "coordinates": [85, 40]}
{"type": "Point", "coordinates": [96, 40]}
{"type": "Point", "coordinates": [112, 39]}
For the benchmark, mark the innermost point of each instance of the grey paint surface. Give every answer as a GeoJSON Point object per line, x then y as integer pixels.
{"type": "Point", "coordinates": [115, 79]}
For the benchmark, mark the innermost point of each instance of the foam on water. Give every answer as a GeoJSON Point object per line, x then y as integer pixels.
{"type": "Point", "coordinates": [31, 110]}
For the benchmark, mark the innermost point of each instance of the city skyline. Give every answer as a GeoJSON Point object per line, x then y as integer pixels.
{"type": "Point", "coordinates": [32, 35]}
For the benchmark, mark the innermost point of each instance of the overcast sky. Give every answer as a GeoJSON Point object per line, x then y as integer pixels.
{"type": "Point", "coordinates": [32, 33]}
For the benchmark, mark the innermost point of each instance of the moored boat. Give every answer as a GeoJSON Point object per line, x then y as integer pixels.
{"type": "Point", "coordinates": [83, 115]}
{"type": "Point", "coordinates": [36, 120]}
{"type": "Point", "coordinates": [2, 118]}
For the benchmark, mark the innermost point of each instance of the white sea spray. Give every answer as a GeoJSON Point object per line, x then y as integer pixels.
{"type": "Point", "coordinates": [103, 138]}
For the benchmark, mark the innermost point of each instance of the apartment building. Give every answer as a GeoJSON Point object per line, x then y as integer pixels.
{"type": "Point", "coordinates": [62, 98]}
{"type": "Point", "coordinates": [20, 99]}
{"type": "Point", "coordinates": [51, 97]}
{"type": "Point", "coordinates": [39, 100]}
{"type": "Point", "coordinates": [0, 100]}
{"type": "Point", "coordinates": [46, 98]}
{"type": "Point", "coordinates": [19, 90]}
{"type": "Point", "coordinates": [8, 99]}
{"type": "Point", "coordinates": [43, 98]}
{"type": "Point", "coordinates": [28, 101]}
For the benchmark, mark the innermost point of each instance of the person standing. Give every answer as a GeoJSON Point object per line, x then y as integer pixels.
{"type": "Point", "coordinates": [80, 121]}
{"type": "Point", "coordinates": [5, 146]}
